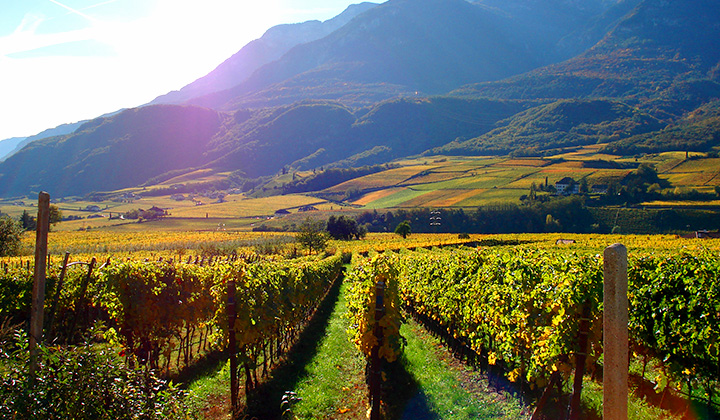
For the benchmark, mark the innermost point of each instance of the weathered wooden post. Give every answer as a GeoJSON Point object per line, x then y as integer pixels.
{"type": "Point", "coordinates": [38, 295]}
{"type": "Point", "coordinates": [615, 333]}
{"type": "Point", "coordinates": [580, 359]}
{"type": "Point", "coordinates": [80, 303]}
{"type": "Point", "coordinates": [232, 346]}
{"type": "Point", "coordinates": [375, 362]}
{"type": "Point", "coordinates": [58, 290]}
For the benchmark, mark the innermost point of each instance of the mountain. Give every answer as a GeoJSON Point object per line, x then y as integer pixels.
{"type": "Point", "coordinates": [112, 152]}
{"type": "Point", "coordinates": [407, 77]}
{"type": "Point", "coordinates": [271, 46]}
{"type": "Point", "coordinates": [573, 22]}
{"type": "Point", "coordinates": [9, 147]}
{"type": "Point", "coordinates": [400, 47]}
{"type": "Point", "coordinates": [646, 53]}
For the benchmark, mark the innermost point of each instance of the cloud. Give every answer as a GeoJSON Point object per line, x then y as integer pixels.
{"type": "Point", "coordinates": [29, 40]}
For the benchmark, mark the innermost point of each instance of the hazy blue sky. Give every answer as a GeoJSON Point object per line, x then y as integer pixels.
{"type": "Point", "coordinates": [63, 61]}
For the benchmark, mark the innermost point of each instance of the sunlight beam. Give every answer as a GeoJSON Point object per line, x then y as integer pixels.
{"type": "Point", "coordinates": [75, 11]}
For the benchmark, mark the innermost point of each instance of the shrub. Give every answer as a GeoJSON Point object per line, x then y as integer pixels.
{"type": "Point", "coordinates": [88, 381]}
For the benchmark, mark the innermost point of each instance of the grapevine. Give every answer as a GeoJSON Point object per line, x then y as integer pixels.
{"type": "Point", "coordinates": [361, 305]}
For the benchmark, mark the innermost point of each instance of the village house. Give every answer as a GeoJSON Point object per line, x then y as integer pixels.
{"type": "Point", "coordinates": [567, 186]}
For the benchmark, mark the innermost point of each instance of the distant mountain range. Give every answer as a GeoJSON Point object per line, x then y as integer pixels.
{"type": "Point", "coordinates": [276, 41]}
{"type": "Point", "coordinates": [13, 145]}
{"type": "Point", "coordinates": [379, 82]}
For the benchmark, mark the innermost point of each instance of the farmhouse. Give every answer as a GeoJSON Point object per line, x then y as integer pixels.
{"type": "Point", "coordinates": [702, 234]}
{"type": "Point", "coordinates": [567, 186]}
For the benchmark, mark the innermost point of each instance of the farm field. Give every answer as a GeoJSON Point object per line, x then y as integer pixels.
{"type": "Point", "coordinates": [498, 180]}
{"type": "Point", "coordinates": [127, 249]}
{"type": "Point", "coordinates": [213, 227]}
{"type": "Point", "coordinates": [143, 242]}
{"type": "Point", "coordinates": [433, 182]}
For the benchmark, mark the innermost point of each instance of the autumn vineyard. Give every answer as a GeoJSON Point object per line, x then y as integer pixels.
{"type": "Point", "coordinates": [513, 310]}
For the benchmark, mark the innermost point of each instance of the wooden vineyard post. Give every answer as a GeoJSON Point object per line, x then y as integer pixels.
{"type": "Point", "coordinates": [580, 359]}
{"type": "Point", "coordinates": [58, 290]}
{"type": "Point", "coordinates": [80, 303]}
{"type": "Point", "coordinates": [232, 346]}
{"type": "Point", "coordinates": [375, 363]}
{"type": "Point", "coordinates": [38, 294]}
{"type": "Point", "coordinates": [615, 333]}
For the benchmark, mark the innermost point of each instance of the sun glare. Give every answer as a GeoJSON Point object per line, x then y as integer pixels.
{"type": "Point", "coordinates": [146, 56]}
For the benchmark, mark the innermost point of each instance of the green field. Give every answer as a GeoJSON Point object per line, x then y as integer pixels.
{"type": "Point", "coordinates": [425, 182]}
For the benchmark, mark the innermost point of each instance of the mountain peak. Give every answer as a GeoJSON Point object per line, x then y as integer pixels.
{"type": "Point", "coordinates": [275, 42]}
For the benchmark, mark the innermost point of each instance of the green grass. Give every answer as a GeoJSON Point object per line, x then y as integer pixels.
{"type": "Point", "coordinates": [441, 392]}
{"type": "Point", "coordinates": [332, 383]}
{"type": "Point", "coordinates": [592, 399]}
{"type": "Point", "coordinates": [210, 393]}
{"type": "Point", "coordinates": [395, 200]}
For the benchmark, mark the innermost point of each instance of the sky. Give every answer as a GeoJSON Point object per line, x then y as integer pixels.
{"type": "Point", "coordinates": [62, 61]}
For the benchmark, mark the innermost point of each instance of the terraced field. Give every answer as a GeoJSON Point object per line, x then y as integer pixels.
{"type": "Point", "coordinates": [433, 182]}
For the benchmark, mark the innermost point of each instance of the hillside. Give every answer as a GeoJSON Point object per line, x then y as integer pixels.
{"type": "Point", "coordinates": [525, 78]}
{"type": "Point", "coordinates": [698, 131]}
{"type": "Point", "coordinates": [111, 153]}
{"type": "Point", "coordinates": [314, 134]}
{"type": "Point", "coordinates": [403, 46]}
{"type": "Point", "coordinates": [565, 123]}
{"type": "Point", "coordinates": [276, 41]}
{"type": "Point", "coordinates": [141, 144]}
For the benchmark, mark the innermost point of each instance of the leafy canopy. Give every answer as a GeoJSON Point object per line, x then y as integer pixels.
{"type": "Point", "coordinates": [9, 236]}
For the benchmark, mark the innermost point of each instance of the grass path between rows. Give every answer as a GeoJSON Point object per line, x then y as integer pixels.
{"type": "Point", "coordinates": [327, 372]}
{"type": "Point", "coordinates": [332, 384]}
{"type": "Point", "coordinates": [424, 384]}
{"type": "Point", "coordinates": [446, 388]}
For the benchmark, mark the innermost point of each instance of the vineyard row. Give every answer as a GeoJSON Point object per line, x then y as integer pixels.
{"type": "Point", "coordinates": [521, 309]}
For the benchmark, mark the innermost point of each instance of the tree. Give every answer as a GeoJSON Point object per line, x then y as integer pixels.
{"type": "Point", "coordinates": [27, 221]}
{"type": "Point", "coordinates": [584, 186]}
{"type": "Point", "coordinates": [55, 214]}
{"type": "Point", "coordinates": [343, 228]}
{"type": "Point", "coordinates": [361, 232]}
{"type": "Point", "coordinates": [10, 232]}
{"type": "Point", "coordinates": [403, 229]}
{"type": "Point", "coordinates": [312, 235]}
{"type": "Point", "coordinates": [552, 224]}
